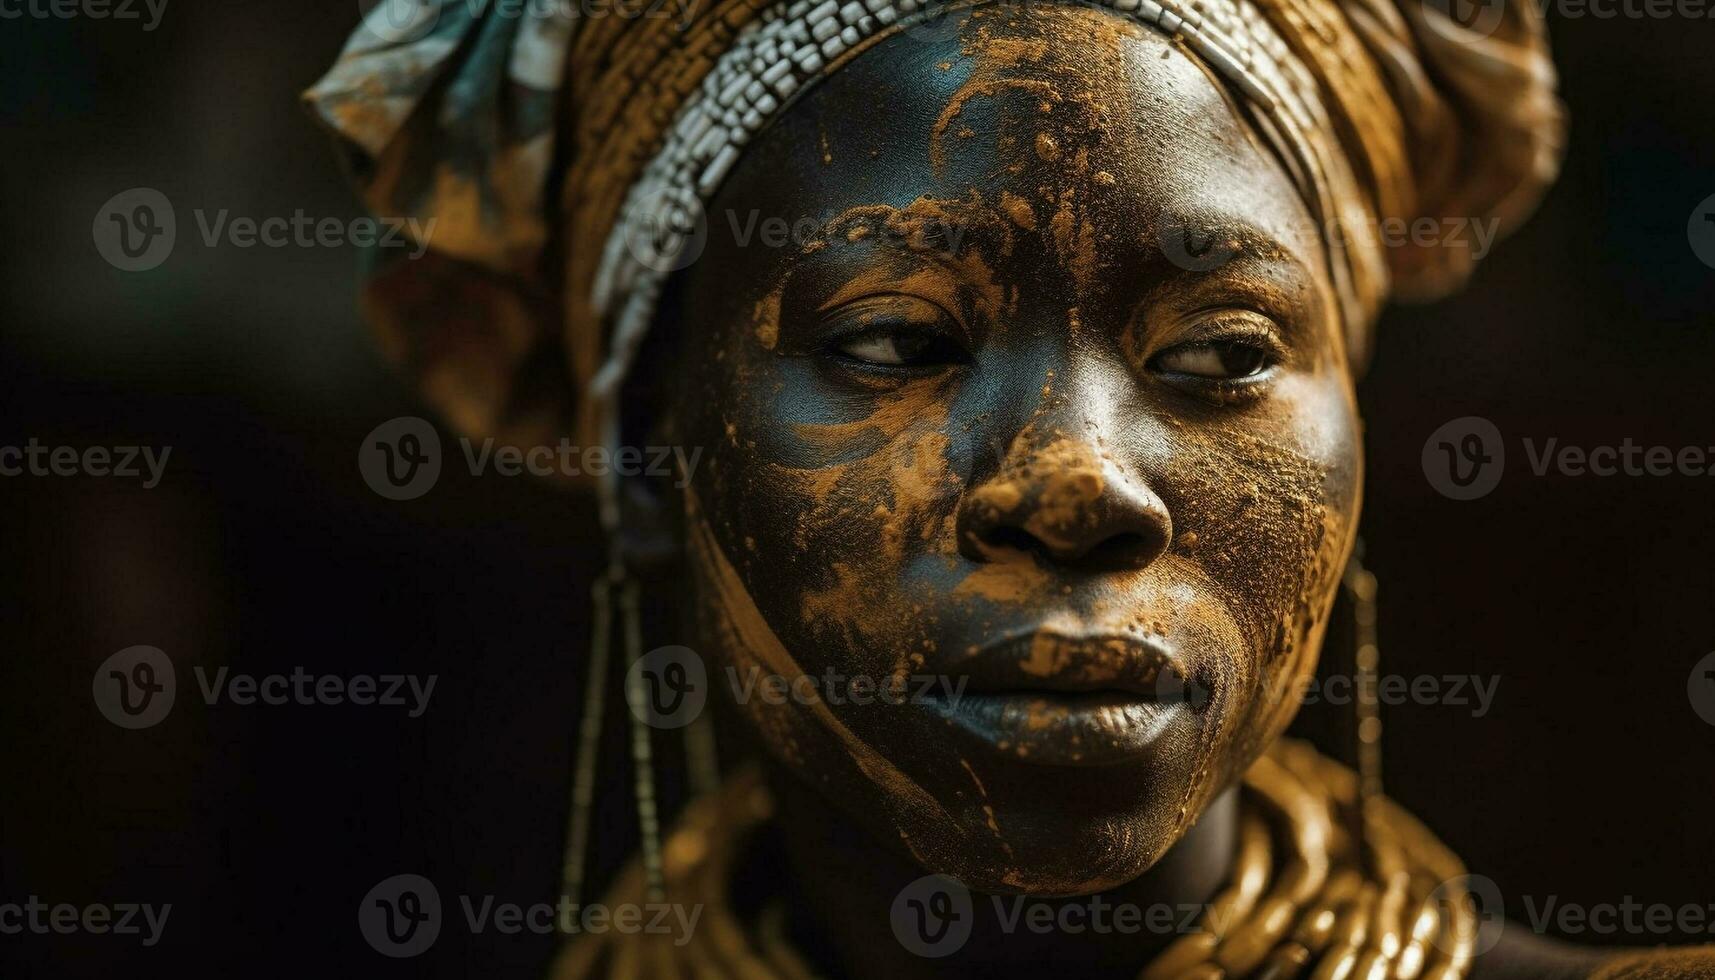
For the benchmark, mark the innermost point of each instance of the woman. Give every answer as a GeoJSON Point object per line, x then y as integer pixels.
{"type": "Point", "coordinates": [1047, 399]}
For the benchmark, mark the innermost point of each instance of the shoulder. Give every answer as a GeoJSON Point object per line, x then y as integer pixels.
{"type": "Point", "coordinates": [1521, 953]}
{"type": "Point", "coordinates": [1685, 962]}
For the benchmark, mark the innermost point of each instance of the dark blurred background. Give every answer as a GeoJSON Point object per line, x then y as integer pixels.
{"type": "Point", "coordinates": [1591, 779]}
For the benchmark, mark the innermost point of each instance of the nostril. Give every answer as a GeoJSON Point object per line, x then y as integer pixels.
{"type": "Point", "coordinates": [1117, 552]}
{"type": "Point", "coordinates": [1128, 549]}
{"type": "Point", "coordinates": [1077, 513]}
{"type": "Point", "coordinates": [1011, 537]}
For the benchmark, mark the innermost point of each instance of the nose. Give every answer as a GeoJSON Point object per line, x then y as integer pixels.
{"type": "Point", "coordinates": [1068, 503]}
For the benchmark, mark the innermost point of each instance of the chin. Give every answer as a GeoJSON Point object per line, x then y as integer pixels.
{"type": "Point", "coordinates": [1055, 832]}
{"type": "Point", "coordinates": [1060, 859]}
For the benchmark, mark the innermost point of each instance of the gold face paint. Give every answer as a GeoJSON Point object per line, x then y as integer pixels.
{"type": "Point", "coordinates": [983, 438]}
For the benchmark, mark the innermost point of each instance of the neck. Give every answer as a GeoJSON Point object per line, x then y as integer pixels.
{"type": "Point", "coordinates": [843, 886]}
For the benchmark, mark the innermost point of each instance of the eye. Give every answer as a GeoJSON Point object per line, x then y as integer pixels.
{"type": "Point", "coordinates": [899, 347]}
{"type": "Point", "coordinates": [895, 332]}
{"type": "Point", "coordinates": [1220, 360]}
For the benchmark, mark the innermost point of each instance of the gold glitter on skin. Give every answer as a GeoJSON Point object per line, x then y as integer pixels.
{"type": "Point", "coordinates": [861, 489]}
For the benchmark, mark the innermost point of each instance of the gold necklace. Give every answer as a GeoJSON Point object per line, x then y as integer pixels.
{"type": "Point", "coordinates": [1306, 899]}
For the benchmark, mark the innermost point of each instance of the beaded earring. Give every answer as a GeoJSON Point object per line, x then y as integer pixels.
{"type": "Point", "coordinates": [1359, 584]}
{"type": "Point", "coordinates": [587, 764]}
{"type": "Point", "coordinates": [616, 587]}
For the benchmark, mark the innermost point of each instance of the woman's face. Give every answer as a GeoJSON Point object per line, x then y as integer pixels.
{"type": "Point", "coordinates": [1042, 415]}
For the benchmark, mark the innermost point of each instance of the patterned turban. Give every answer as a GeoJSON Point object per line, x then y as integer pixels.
{"type": "Point", "coordinates": [539, 135]}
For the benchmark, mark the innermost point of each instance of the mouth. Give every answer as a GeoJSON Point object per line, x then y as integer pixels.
{"type": "Point", "coordinates": [1050, 699]}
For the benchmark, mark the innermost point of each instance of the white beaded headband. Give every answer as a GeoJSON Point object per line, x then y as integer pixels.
{"type": "Point", "coordinates": [771, 60]}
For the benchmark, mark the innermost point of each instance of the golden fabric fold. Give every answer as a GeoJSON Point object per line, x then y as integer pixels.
{"type": "Point", "coordinates": [521, 130]}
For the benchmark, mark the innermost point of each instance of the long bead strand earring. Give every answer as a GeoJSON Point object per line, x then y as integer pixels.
{"type": "Point", "coordinates": [1360, 586]}
{"type": "Point", "coordinates": [587, 761]}
{"type": "Point", "coordinates": [642, 753]}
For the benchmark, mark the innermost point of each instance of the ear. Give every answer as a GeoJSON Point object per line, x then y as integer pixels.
{"type": "Point", "coordinates": [651, 512]}
{"type": "Point", "coordinates": [652, 502]}
{"type": "Point", "coordinates": [651, 496]}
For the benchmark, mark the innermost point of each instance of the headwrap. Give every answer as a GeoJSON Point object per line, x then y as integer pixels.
{"type": "Point", "coordinates": [553, 146]}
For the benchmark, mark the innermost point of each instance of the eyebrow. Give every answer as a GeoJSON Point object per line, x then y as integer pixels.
{"type": "Point", "coordinates": [1227, 251]}
{"type": "Point", "coordinates": [881, 227]}
{"type": "Point", "coordinates": [931, 276]}
{"type": "Point", "coordinates": [1231, 234]}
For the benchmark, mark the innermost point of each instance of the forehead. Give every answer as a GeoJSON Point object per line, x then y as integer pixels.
{"type": "Point", "coordinates": [1022, 102]}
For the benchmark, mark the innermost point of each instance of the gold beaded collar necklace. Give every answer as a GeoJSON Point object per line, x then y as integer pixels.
{"type": "Point", "coordinates": [1306, 899]}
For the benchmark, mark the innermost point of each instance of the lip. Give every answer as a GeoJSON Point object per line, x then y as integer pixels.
{"type": "Point", "coordinates": [1048, 698]}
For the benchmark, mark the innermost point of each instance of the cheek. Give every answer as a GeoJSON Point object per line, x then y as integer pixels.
{"type": "Point", "coordinates": [798, 727]}
{"type": "Point", "coordinates": [750, 652]}
{"type": "Point", "coordinates": [1270, 505]}
{"type": "Point", "coordinates": [828, 498]}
